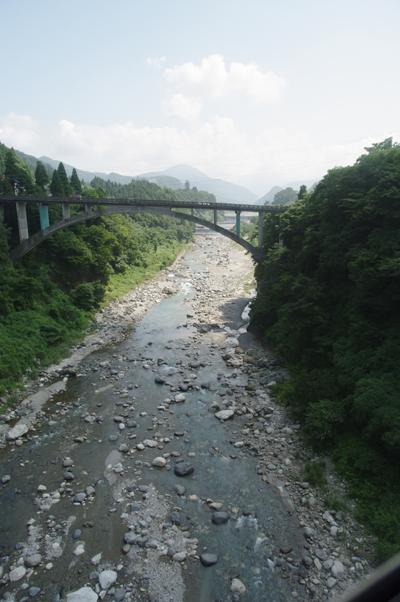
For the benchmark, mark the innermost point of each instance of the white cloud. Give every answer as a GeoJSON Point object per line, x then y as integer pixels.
{"type": "Point", "coordinates": [184, 107]}
{"type": "Point", "coordinates": [156, 62]}
{"type": "Point", "coordinates": [218, 146]}
{"type": "Point", "coordinates": [20, 131]}
{"type": "Point", "coordinates": [215, 78]}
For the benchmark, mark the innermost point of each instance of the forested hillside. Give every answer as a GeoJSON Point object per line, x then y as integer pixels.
{"type": "Point", "coordinates": [47, 299]}
{"type": "Point", "coordinates": [328, 301]}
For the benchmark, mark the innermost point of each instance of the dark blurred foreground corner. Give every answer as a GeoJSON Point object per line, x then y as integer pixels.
{"type": "Point", "coordinates": [383, 585]}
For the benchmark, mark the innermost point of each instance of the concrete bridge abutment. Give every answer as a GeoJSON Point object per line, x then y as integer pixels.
{"type": "Point", "coordinates": [22, 220]}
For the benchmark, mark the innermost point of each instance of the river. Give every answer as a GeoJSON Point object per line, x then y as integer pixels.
{"type": "Point", "coordinates": [132, 485]}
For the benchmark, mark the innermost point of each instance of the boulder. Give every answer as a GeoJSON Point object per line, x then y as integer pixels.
{"type": "Point", "coordinates": [224, 414]}
{"type": "Point", "coordinates": [207, 559]}
{"type": "Point", "coordinates": [17, 431]}
{"type": "Point", "coordinates": [85, 594]}
{"type": "Point", "coordinates": [183, 469]}
{"type": "Point", "coordinates": [238, 587]}
{"type": "Point", "coordinates": [107, 578]}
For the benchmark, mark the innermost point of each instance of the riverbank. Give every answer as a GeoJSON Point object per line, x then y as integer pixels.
{"type": "Point", "coordinates": [126, 299]}
{"type": "Point", "coordinates": [48, 299]}
{"type": "Point", "coordinates": [179, 458]}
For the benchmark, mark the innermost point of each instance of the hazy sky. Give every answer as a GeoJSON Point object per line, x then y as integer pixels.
{"type": "Point", "coordinates": [258, 92]}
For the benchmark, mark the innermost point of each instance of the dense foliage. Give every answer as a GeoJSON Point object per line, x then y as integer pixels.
{"type": "Point", "coordinates": [140, 189]}
{"type": "Point", "coordinates": [285, 196]}
{"type": "Point", "coordinates": [46, 299]}
{"type": "Point", "coordinates": [328, 301]}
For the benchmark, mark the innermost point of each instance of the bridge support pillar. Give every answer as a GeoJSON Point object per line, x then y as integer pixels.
{"type": "Point", "coordinates": [66, 210]}
{"type": "Point", "coordinates": [22, 221]}
{"type": "Point", "coordinates": [237, 225]}
{"type": "Point", "coordinates": [191, 211]}
{"type": "Point", "coordinates": [260, 229]}
{"type": "Point", "coordinates": [215, 217]}
{"type": "Point", "coordinates": [44, 216]}
{"type": "Point", "coordinates": [88, 209]}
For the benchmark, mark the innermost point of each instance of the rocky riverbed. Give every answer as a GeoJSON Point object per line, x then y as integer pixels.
{"type": "Point", "coordinates": [154, 465]}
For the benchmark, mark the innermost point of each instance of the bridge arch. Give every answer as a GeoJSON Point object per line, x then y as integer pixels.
{"type": "Point", "coordinates": [36, 239]}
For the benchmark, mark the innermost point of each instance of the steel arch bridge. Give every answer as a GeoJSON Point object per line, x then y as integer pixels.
{"type": "Point", "coordinates": [94, 208]}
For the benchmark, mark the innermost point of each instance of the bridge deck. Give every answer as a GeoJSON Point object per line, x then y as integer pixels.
{"type": "Point", "coordinates": [142, 203]}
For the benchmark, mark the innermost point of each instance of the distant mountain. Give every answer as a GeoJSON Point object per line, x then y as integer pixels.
{"type": "Point", "coordinates": [167, 181]}
{"type": "Point", "coordinates": [269, 196]}
{"type": "Point", "coordinates": [223, 190]}
{"type": "Point", "coordinates": [174, 177]}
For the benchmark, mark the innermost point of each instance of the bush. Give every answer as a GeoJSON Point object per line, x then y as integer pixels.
{"type": "Point", "coordinates": [314, 473]}
{"type": "Point", "coordinates": [88, 295]}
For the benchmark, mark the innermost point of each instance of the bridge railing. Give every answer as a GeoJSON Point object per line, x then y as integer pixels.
{"type": "Point", "coordinates": [78, 200]}
{"type": "Point", "coordinates": [97, 206]}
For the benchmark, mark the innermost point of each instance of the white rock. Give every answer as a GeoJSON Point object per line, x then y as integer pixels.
{"type": "Point", "coordinates": [329, 518]}
{"type": "Point", "coordinates": [150, 443]}
{"type": "Point", "coordinates": [238, 587]}
{"type": "Point", "coordinates": [231, 342]}
{"type": "Point", "coordinates": [107, 578]}
{"type": "Point", "coordinates": [17, 573]}
{"type": "Point", "coordinates": [160, 462]}
{"type": "Point", "coordinates": [169, 370]}
{"type": "Point", "coordinates": [33, 560]}
{"type": "Point", "coordinates": [224, 414]}
{"type": "Point", "coordinates": [85, 594]}
{"type": "Point", "coordinates": [79, 550]}
{"type": "Point", "coordinates": [180, 398]}
{"type": "Point", "coordinates": [17, 431]}
{"type": "Point", "coordinates": [96, 559]}
{"type": "Point", "coordinates": [337, 569]}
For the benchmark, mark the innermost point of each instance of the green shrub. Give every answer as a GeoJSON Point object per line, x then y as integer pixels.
{"type": "Point", "coordinates": [88, 295]}
{"type": "Point", "coordinates": [314, 473]}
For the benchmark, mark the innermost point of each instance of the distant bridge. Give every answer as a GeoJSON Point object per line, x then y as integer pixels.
{"type": "Point", "coordinates": [94, 208]}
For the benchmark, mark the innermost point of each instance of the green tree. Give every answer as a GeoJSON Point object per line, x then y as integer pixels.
{"type": "Point", "coordinates": [17, 175]}
{"type": "Point", "coordinates": [328, 301]}
{"type": "Point", "coordinates": [285, 197]}
{"type": "Point", "coordinates": [56, 187]}
{"type": "Point", "coordinates": [41, 177]}
{"type": "Point", "coordinates": [384, 145]}
{"type": "Point", "coordinates": [75, 182]}
{"type": "Point", "coordinates": [62, 174]}
{"type": "Point", "coordinates": [302, 191]}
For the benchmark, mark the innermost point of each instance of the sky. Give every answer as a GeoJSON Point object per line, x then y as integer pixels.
{"type": "Point", "coordinates": [261, 93]}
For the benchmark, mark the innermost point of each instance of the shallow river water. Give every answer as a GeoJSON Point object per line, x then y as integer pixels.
{"type": "Point", "coordinates": [113, 405]}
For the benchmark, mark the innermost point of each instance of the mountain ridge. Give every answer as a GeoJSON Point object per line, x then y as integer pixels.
{"type": "Point", "coordinates": [223, 190]}
{"type": "Point", "coordinates": [268, 197]}
{"type": "Point", "coordinates": [173, 177]}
